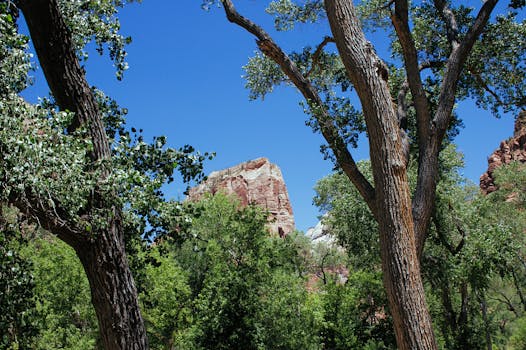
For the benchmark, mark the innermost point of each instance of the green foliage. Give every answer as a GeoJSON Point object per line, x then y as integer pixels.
{"type": "Point", "coordinates": [511, 181]}
{"type": "Point", "coordinates": [518, 339]}
{"type": "Point", "coordinates": [497, 67]}
{"type": "Point", "coordinates": [355, 314]}
{"type": "Point", "coordinates": [286, 13]}
{"type": "Point", "coordinates": [15, 61]}
{"type": "Point", "coordinates": [165, 300]}
{"type": "Point", "coordinates": [39, 156]}
{"type": "Point", "coordinates": [65, 316]}
{"type": "Point", "coordinates": [96, 20]}
{"type": "Point", "coordinates": [17, 328]}
{"type": "Point", "coordinates": [473, 261]}
{"type": "Point", "coordinates": [42, 162]}
{"type": "Point", "coordinates": [262, 74]}
{"type": "Point", "coordinates": [247, 295]}
{"type": "Point", "coordinates": [349, 219]}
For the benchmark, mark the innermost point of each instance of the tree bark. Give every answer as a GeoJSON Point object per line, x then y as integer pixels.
{"type": "Point", "coordinates": [101, 252]}
{"type": "Point", "coordinates": [403, 222]}
{"type": "Point", "coordinates": [327, 128]}
{"type": "Point", "coordinates": [113, 291]}
{"type": "Point", "coordinates": [400, 263]}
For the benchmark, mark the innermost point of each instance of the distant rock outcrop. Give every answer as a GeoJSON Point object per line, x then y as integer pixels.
{"type": "Point", "coordinates": [320, 233]}
{"type": "Point", "coordinates": [256, 182]}
{"type": "Point", "coordinates": [514, 149]}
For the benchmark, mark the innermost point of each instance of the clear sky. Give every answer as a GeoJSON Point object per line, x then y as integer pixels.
{"type": "Point", "coordinates": [185, 82]}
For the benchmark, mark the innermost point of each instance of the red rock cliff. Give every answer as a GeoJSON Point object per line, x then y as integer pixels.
{"type": "Point", "coordinates": [257, 181]}
{"type": "Point", "coordinates": [514, 149]}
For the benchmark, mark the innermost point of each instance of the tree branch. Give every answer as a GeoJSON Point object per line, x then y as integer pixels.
{"type": "Point", "coordinates": [64, 75]}
{"type": "Point", "coordinates": [519, 289]}
{"type": "Point", "coordinates": [429, 146]}
{"type": "Point", "coordinates": [317, 53]}
{"type": "Point", "coordinates": [402, 105]}
{"type": "Point", "coordinates": [421, 209]}
{"type": "Point", "coordinates": [450, 314]}
{"type": "Point", "coordinates": [52, 218]}
{"type": "Point", "coordinates": [442, 235]}
{"type": "Point", "coordinates": [450, 21]}
{"type": "Point", "coordinates": [485, 86]}
{"type": "Point", "coordinates": [454, 66]}
{"type": "Point", "coordinates": [344, 158]}
{"type": "Point", "coordinates": [506, 300]}
{"type": "Point", "coordinates": [400, 21]}
{"type": "Point", "coordinates": [460, 230]}
{"type": "Point", "coordinates": [463, 315]}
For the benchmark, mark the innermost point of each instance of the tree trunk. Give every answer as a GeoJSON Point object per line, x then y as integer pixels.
{"type": "Point", "coordinates": [113, 291]}
{"type": "Point", "coordinates": [400, 263]}
{"type": "Point", "coordinates": [101, 252]}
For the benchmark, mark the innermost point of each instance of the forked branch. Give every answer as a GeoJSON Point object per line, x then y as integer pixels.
{"type": "Point", "coordinates": [399, 18]}
{"type": "Point", "coordinates": [317, 54]}
{"type": "Point", "coordinates": [429, 146]}
{"type": "Point", "coordinates": [450, 21]}
{"type": "Point", "coordinates": [329, 131]}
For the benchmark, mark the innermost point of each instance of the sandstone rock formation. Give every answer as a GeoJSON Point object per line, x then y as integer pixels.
{"type": "Point", "coordinates": [256, 182]}
{"type": "Point", "coordinates": [320, 233]}
{"type": "Point", "coordinates": [514, 149]}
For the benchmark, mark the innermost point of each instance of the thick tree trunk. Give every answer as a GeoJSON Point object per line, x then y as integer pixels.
{"type": "Point", "coordinates": [113, 291]}
{"type": "Point", "coordinates": [400, 263]}
{"type": "Point", "coordinates": [101, 252]}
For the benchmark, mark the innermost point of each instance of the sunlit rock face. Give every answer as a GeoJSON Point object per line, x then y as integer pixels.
{"type": "Point", "coordinates": [256, 182]}
{"type": "Point", "coordinates": [320, 233]}
{"type": "Point", "coordinates": [514, 149]}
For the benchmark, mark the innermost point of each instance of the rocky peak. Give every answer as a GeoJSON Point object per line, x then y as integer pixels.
{"type": "Point", "coordinates": [256, 182]}
{"type": "Point", "coordinates": [514, 149]}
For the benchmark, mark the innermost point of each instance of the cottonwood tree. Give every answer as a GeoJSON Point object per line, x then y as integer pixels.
{"type": "Point", "coordinates": [434, 37]}
{"type": "Point", "coordinates": [58, 166]}
{"type": "Point", "coordinates": [99, 247]}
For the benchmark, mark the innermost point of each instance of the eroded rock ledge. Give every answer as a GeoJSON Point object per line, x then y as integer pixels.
{"type": "Point", "coordinates": [513, 149]}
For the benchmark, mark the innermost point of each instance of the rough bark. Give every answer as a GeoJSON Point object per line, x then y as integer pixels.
{"type": "Point", "coordinates": [430, 138]}
{"type": "Point", "coordinates": [400, 263]}
{"type": "Point", "coordinates": [113, 291]}
{"type": "Point", "coordinates": [101, 252]}
{"type": "Point", "coordinates": [390, 200]}
{"type": "Point", "coordinates": [403, 222]}
{"type": "Point", "coordinates": [329, 131]}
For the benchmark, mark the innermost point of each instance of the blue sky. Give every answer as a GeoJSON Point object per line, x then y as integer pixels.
{"type": "Point", "coordinates": [185, 82]}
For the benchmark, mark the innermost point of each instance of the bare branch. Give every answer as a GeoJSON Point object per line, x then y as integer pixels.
{"type": "Point", "coordinates": [317, 53]}
{"type": "Point", "coordinates": [519, 289]}
{"type": "Point", "coordinates": [460, 229]}
{"type": "Point", "coordinates": [442, 234]}
{"type": "Point", "coordinates": [507, 301]}
{"type": "Point", "coordinates": [344, 158]}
